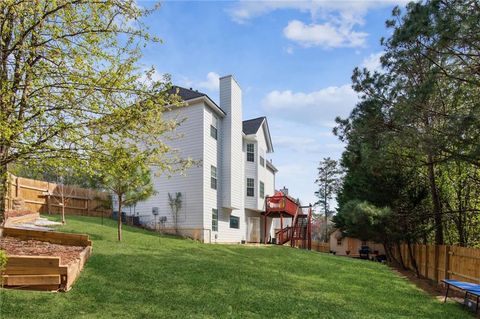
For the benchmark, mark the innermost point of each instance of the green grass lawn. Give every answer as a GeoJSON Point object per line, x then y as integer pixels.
{"type": "Point", "coordinates": [148, 276]}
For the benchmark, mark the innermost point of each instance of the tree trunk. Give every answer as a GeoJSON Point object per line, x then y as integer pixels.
{"type": "Point", "coordinates": [176, 221]}
{"type": "Point", "coordinates": [120, 217]}
{"type": "Point", "coordinates": [326, 227]}
{"type": "Point", "coordinates": [325, 201]}
{"type": "Point", "coordinates": [437, 209]}
{"type": "Point", "coordinates": [388, 252]}
{"type": "Point", "coordinates": [3, 191]}
{"type": "Point", "coordinates": [412, 258]}
{"type": "Point", "coordinates": [400, 257]}
{"type": "Point", "coordinates": [63, 204]}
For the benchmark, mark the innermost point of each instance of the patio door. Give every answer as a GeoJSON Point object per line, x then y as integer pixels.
{"type": "Point", "coordinates": [253, 229]}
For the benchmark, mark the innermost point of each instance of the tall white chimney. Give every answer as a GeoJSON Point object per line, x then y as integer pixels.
{"type": "Point", "coordinates": [232, 142]}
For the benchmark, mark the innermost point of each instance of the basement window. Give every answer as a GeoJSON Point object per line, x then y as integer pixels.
{"type": "Point", "coordinates": [250, 152]}
{"type": "Point", "coordinates": [250, 187]}
{"type": "Point", "coordinates": [234, 222]}
{"type": "Point", "coordinates": [214, 219]}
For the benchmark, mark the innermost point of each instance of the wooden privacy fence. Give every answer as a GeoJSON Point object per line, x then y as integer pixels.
{"type": "Point", "coordinates": [320, 246]}
{"type": "Point", "coordinates": [442, 261]}
{"type": "Point", "coordinates": [44, 197]}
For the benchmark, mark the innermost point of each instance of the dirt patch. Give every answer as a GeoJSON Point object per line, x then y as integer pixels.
{"type": "Point", "coordinates": [17, 213]}
{"type": "Point", "coordinates": [429, 286]}
{"type": "Point", "coordinates": [15, 246]}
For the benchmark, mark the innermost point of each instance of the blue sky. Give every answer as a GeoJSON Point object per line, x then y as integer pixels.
{"type": "Point", "coordinates": [292, 59]}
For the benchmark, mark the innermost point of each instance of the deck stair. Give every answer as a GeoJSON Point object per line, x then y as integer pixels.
{"type": "Point", "coordinates": [299, 233]}
{"type": "Point", "coordinates": [283, 235]}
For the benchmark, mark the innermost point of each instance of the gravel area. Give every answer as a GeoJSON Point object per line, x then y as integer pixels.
{"type": "Point", "coordinates": [15, 246]}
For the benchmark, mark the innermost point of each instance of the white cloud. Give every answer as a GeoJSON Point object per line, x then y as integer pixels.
{"type": "Point", "coordinates": [324, 35]}
{"type": "Point", "coordinates": [211, 82]}
{"type": "Point", "coordinates": [372, 62]}
{"type": "Point", "coordinates": [332, 23]}
{"type": "Point", "coordinates": [246, 10]}
{"type": "Point", "coordinates": [318, 107]}
{"type": "Point", "coordinates": [301, 127]}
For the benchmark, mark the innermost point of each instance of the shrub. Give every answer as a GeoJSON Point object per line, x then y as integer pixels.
{"type": "Point", "coordinates": [3, 260]}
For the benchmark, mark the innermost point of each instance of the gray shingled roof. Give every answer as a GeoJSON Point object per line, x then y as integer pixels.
{"type": "Point", "coordinates": [252, 126]}
{"type": "Point", "coordinates": [189, 94]}
{"type": "Point", "coordinates": [185, 94]}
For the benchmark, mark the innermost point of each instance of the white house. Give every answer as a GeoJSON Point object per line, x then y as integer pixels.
{"type": "Point", "coordinates": [223, 197]}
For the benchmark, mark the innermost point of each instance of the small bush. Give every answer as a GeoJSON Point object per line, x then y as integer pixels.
{"type": "Point", "coordinates": [3, 260]}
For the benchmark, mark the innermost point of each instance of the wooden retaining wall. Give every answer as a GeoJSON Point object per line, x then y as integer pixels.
{"type": "Point", "coordinates": [443, 262]}
{"type": "Point", "coordinates": [49, 236]}
{"type": "Point", "coordinates": [44, 197]}
{"type": "Point", "coordinates": [44, 272]}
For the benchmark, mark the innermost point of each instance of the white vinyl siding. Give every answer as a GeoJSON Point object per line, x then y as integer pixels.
{"type": "Point", "coordinates": [189, 144]}
{"type": "Point", "coordinates": [211, 163]}
{"type": "Point", "coordinates": [264, 174]}
{"type": "Point", "coordinates": [231, 138]}
{"type": "Point", "coordinates": [216, 141]}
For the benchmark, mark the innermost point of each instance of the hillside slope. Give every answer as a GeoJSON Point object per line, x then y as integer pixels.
{"type": "Point", "coordinates": [151, 276]}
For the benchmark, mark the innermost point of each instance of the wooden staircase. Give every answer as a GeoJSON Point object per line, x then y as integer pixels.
{"type": "Point", "coordinates": [283, 236]}
{"type": "Point", "coordinates": [300, 233]}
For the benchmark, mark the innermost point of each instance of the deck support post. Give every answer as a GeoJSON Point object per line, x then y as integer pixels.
{"type": "Point", "coordinates": [265, 228]}
{"type": "Point", "coordinates": [281, 229]}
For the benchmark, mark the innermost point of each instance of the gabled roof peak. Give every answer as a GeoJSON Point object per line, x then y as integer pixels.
{"type": "Point", "coordinates": [253, 125]}
{"type": "Point", "coordinates": [190, 94]}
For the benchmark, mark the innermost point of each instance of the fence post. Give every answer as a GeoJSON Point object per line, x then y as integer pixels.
{"type": "Point", "coordinates": [87, 202]}
{"type": "Point", "coordinates": [436, 263]}
{"type": "Point", "coordinates": [9, 191]}
{"type": "Point", "coordinates": [447, 261]}
{"type": "Point", "coordinates": [426, 260]}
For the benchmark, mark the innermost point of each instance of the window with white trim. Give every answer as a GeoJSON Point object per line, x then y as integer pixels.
{"type": "Point", "coordinates": [262, 161]}
{"type": "Point", "coordinates": [262, 190]}
{"type": "Point", "coordinates": [214, 219]}
{"type": "Point", "coordinates": [234, 222]}
{"type": "Point", "coordinates": [250, 152]}
{"type": "Point", "coordinates": [213, 127]}
{"type": "Point", "coordinates": [250, 187]}
{"type": "Point", "coordinates": [213, 177]}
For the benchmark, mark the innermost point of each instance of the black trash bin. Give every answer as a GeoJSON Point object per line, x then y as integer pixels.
{"type": "Point", "coordinates": [115, 216]}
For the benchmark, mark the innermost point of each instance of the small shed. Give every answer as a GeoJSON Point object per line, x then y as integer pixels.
{"type": "Point", "coordinates": [349, 246]}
